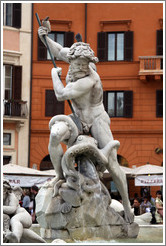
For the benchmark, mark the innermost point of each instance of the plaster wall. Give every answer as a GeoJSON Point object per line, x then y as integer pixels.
{"type": "Point", "coordinates": [139, 135]}
{"type": "Point", "coordinates": [17, 51]}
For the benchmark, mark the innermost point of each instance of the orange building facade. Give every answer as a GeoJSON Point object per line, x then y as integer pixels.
{"type": "Point", "coordinates": [127, 38]}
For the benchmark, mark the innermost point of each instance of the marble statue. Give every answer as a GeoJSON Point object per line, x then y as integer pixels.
{"type": "Point", "coordinates": [16, 220]}
{"type": "Point", "coordinates": [76, 197]}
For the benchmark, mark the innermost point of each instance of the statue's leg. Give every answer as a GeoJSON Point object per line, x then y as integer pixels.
{"type": "Point", "coordinates": [6, 222]}
{"type": "Point", "coordinates": [58, 133]}
{"type": "Point", "coordinates": [16, 231]}
{"type": "Point", "coordinates": [101, 132]}
{"type": "Point", "coordinates": [17, 223]}
{"type": "Point", "coordinates": [120, 181]}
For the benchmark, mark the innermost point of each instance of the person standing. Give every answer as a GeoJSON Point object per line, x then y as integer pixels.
{"type": "Point", "coordinates": [26, 200]}
{"type": "Point", "coordinates": [34, 191]}
{"type": "Point", "coordinates": [159, 205]}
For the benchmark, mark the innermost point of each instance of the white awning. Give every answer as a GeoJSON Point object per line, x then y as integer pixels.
{"type": "Point", "coordinates": [18, 170]}
{"type": "Point", "coordinates": [147, 169]}
{"type": "Point", "coordinates": [26, 177]}
{"type": "Point", "coordinates": [26, 181]}
{"type": "Point", "coordinates": [150, 180]}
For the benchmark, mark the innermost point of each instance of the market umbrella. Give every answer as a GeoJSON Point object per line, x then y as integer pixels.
{"type": "Point", "coordinates": [19, 170]}
{"type": "Point", "coordinates": [24, 176]}
{"type": "Point", "coordinates": [147, 169]}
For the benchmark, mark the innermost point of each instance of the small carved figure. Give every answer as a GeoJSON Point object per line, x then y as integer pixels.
{"type": "Point", "coordinates": [17, 220]}
{"type": "Point", "coordinates": [84, 89]}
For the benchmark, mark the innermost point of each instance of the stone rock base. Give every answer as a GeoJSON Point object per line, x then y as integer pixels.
{"type": "Point", "coordinates": [83, 233]}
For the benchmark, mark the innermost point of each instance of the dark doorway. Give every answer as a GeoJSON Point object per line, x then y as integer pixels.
{"type": "Point", "coordinates": [46, 163]}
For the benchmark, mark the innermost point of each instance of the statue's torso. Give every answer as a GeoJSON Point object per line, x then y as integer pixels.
{"type": "Point", "coordinates": [90, 105]}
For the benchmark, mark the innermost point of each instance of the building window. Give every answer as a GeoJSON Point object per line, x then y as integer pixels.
{"type": "Point", "coordinates": [118, 103]}
{"type": "Point", "coordinates": [12, 79]}
{"type": "Point", "coordinates": [6, 159]}
{"type": "Point", "coordinates": [159, 45]}
{"type": "Point", "coordinates": [57, 37]}
{"type": "Point", "coordinates": [12, 14]}
{"type": "Point", "coordinates": [66, 39]}
{"type": "Point", "coordinates": [7, 82]}
{"type": "Point", "coordinates": [115, 46]}
{"type": "Point", "coordinates": [6, 138]}
{"type": "Point", "coordinates": [159, 103]}
{"type": "Point", "coordinates": [52, 105]}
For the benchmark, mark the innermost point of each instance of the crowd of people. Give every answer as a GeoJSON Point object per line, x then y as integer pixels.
{"type": "Point", "coordinates": [143, 204]}
{"type": "Point", "coordinates": [148, 204]}
{"type": "Point", "coordinates": [28, 201]}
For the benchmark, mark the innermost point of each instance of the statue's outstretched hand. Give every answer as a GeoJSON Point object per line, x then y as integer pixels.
{"type": "Point", "coordinates": [46, 24]}
{"type": "Point", "coordinates": [42, 31]}
{"type": "Point", "coordinates": [56, 72]}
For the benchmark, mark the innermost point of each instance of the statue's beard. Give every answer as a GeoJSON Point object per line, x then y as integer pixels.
{"type": "Point", "coordinates": [73, 76]}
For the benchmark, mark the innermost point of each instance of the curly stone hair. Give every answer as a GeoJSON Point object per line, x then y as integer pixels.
{"type": "Point", "coordinates": [7, 185]}
{"type": "Point", "coordinates": [82, 50]}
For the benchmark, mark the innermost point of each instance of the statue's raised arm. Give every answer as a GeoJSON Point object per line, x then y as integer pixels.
{"type": "Point", "coordinates": [57, 50]}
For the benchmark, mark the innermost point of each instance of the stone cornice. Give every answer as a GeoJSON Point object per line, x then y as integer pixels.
{"type": "Point", "coordinates": [11, 57]}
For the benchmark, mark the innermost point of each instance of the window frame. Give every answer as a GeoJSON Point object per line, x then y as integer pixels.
{"type": "Point", "coordinates": [55, 40]}
{"type": "Point", "coordinates": [7, 157]}
{"type": "Point", "coordinates": [12, 145]}
{"type": "Point", "coordinates": [115, 104]}
{"type": "Point", "coordinates": [159, 104]}
{"type": "Point", "coordinates": [4, 80]}
{"type": "Point", "coordinates": [102, 46]}
{"type": "Point", "coordinates": [10, 137]}
{"type": "Point", "coordinates": [16, 9]}
{"type": "Point", "coordinates": [42, 50]}
{"type": "Point", "coordinates": [127, 103]}
{"type": "Point", "coordinates": [5, 14]}
{"type": "Point", "coordinates": [59, 104]}
{"type": "Point", "coordinates": [115, 48]}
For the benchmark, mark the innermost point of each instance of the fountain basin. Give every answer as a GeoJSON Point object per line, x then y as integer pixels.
{"type": "Point", "coordinates": [147, 234]}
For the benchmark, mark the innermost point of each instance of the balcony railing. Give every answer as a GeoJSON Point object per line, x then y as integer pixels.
{"type": "Point", "coordinates": [151, 65]}
{"type": "Point", "coordinates": [15, 108]}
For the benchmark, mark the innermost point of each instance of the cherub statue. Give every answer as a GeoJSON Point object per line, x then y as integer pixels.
{"type": "Point", "coordinates": [17, 220]}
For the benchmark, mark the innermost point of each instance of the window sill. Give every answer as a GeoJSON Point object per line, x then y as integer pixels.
{"type": "Point", "coordinates": [117, 62]}
{"type": "Point", "coordinates": [11, 28]}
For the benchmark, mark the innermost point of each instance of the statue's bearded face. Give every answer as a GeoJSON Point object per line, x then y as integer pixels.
{"type": "Point", "coordinates": [79, 68]}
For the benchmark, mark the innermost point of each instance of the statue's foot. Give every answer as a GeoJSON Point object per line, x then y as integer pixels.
{"type": "Point", "coordinates": [11, 237]}
{"type": "Point", "coordinates": [129, 216]}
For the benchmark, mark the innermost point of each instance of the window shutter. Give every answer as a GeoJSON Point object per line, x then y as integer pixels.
{"type": "Point", "coordinates": [17, 82]}
{"type": "Point", "coordinates": [102, 46]}
{"type": "Point", "coordinates": [128, 46]}
{"type": "Point", "coordinates": [159, 49]}
{"type": "Point", "coordinates": [42, 51]}
{"type": "Point", "coordinates": [52, 105]}
{"type": "Point", "coordinates": [128, 104]}
{"type": "Point", "coordinates": [105, 100]}
{"type": "Point", "coordinates": [69, 39]}
{"type": "Point", "coordinates": [17, 15]}
{"type": "Point", "coordinates": [159, 103]}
